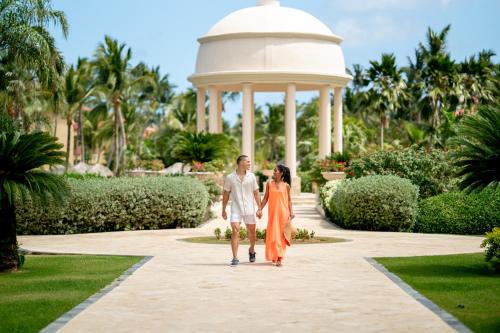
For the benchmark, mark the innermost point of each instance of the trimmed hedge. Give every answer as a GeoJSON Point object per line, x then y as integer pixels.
{"type": "Point", "coordinates": [432, 171]}
{"type": "Point", "coordinates": [375, 203]}
{"type": "Point", "coordinates": [325, 196]}
{"type": "Point", "coordinates": [460, 213]}
{"type": "Point", "coordinates": [99, 205]}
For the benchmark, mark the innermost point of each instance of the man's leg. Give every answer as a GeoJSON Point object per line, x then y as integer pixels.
{"type": "Point", "coordinates": [235, 237]}
{"type": "Point", "coordinates": [252, 236]}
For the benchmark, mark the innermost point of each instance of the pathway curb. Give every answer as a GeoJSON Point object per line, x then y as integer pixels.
{"type": "Point", "coordinates": [448, 318]}
{"type": "Point", "coordinates": [57, 324]}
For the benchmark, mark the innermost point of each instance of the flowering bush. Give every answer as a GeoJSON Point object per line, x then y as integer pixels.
{"type": "Point", "coordinates": [212, 166]}
{"type": "Point", "coordinates": [154, 165]}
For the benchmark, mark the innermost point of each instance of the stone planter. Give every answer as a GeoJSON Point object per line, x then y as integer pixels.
{"type": "Point", "coordinates": [330, 175]}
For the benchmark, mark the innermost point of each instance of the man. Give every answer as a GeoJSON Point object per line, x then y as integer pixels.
{"type": "Point", "coordinates": [241, 186]}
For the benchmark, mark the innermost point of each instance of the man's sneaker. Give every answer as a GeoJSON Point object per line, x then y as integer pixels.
{"type": "Point", "coordinates": [252, 256]}
{"type": "Point", "coordinates": [235, 262]}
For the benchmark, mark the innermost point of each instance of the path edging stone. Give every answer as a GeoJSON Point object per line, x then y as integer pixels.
{"type": "Point", "coordinates": [447, 317]}
{"type": "Point", "coordinates": [57, 324]}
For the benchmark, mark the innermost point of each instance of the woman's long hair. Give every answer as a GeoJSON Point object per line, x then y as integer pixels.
{"type": "Point", "coordinates": [286, 173]}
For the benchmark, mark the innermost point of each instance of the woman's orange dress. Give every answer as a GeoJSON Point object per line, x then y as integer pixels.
{"type": "Point", "coordinates": [279, 213]}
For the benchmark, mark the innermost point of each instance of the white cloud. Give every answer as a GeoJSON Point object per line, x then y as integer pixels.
{"type": "Point", "coordinates": [370, 30]}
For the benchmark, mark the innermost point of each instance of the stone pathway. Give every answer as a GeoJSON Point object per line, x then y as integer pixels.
{"type": "Point", "coordinates": [321, 288]}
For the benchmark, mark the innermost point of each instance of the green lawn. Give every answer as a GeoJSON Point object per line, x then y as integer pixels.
{"type": "Point", "coordinates": [460, 284]}
{"type": "Point", "coordinates": [48, 286]}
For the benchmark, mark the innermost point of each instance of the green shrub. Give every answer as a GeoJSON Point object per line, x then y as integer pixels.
{"type": "Point", "coordinates": [82, 176]}
{"type": "Point", "coordinates": [432, 171]}
{"type": "Point", "coordinates": [228, 233]}
{"type": "Point", "coordinates": [214, 190]}
{"type": "Point", "coordinates": [492, 245]}
{"type": "Point", "coordinates": [154, 165]}
{"type": "Point", "coordinates": [460, 213]}
{"type": "Point", "coordinates": [326, 193]}
{"type": "Point", "coordinates": [217, 233]}
{"type": "Point", "coordinates": [243, 233]}
{"type": "Point", "coordinates": [261, 234]}
{"type": "Point", "coordinates": [99, 205]}
{"type": "Point", "coordinates": [383, 203]}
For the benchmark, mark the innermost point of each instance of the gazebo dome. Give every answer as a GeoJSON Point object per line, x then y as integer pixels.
{"type": "Point", "coordinates": [270, 45]}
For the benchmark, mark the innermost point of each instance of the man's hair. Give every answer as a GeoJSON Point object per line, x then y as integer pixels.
{"type": "Point", "coordinates": [241, 158]}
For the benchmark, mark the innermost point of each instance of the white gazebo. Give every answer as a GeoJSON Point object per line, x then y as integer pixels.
{"type": "Point", "coordinates": [270, 48]}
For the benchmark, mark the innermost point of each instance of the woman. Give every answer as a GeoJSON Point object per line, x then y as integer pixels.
{"type": "Point", "coordinates": [280, 210]}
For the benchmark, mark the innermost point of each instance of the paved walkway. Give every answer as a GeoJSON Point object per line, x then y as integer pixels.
{"type": "Point", "coordinates": [321, 288]}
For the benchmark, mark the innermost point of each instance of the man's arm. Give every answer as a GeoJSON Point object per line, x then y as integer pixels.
{"type": "Point", "coordinates": [225, 200]}
{"type": "Point", "coordinates": [256, 195]}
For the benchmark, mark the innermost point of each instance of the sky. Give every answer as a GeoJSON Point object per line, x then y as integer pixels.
{"type": "Point", "coordinates": [164, 32]}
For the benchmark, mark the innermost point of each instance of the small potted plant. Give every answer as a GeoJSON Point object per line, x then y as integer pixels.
{"type": "Point", "coordinates": [333, 167]}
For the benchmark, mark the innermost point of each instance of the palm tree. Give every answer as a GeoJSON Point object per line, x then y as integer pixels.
{"type": "Point", "coordinates": [201, 147]}
{"type": "Point", "coordinates": [387, 91]}
{"type": "Point", "coordinates": [478, 155]}
{"type": "Point", "coordinates": [78, 89]}
{"type": "Point", "coordinates": [21, 158]}
{"type": "Point", "coordinates": [476, 83]}
{"type": "Point", "coordinates": [27, 47]}
{"type": "Point", "coordinates": [438, 74]}
{"type": "Point", "coordinates": [114, 76]}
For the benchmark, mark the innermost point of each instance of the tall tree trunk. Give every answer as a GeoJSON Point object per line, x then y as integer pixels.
{"type": "Point", "coordinates": [123, 137]}
{"type": "Point", "coordinates": [80, 128]}
{"type": "Point", "coordinates": [116, 165]}
{"type": "Point", "coordinates": [382, 125]}
{"type": "Point", "coordinates": [9, 258]}
{"type": "Point", "coordinates": [68, 141]}
{"type": "Point", "coordinates": [56, 118]}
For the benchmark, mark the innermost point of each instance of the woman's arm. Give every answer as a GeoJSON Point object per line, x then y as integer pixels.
{"type": "Point", "coordinates": [266, 197]}
{"type": "Point", "coordinates": [290, 201]}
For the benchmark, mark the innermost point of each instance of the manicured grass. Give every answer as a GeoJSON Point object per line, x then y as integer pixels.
{"type": "Point", "coordinates": [461, 284]}
{"type": "Point", "coordinates": [48, 286]}
{"type": "Point", "coordinates": [213, 240]}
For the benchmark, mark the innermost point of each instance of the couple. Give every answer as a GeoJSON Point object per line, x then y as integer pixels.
{"type": "Point", "coordinates": [241, 186]}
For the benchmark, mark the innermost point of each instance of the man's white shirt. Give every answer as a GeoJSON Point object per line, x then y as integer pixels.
{"type": "Point", "coordinates": [242, 193]}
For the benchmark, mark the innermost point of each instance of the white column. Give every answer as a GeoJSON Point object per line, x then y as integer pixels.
{"type": "Point", "coordinates": [337, 120]}
{"type": "Point", "coordinates": [291, 130]}
{"type": "Point", "coordinates": [252, 157]}
{"type": "Point", "coordinates": [219, 113]}
{"type": "Point", "coordinates": [201, 124]}
{"type": "Point", "coordinates": [246, 131]}
{"type": "Point", "coordinates": [325, 123]}
{"type": "Point", "coordinates": [213, 110]}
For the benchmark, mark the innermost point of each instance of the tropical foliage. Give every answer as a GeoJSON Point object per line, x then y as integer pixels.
{"type": "Point", "coordinates": [21, 178]}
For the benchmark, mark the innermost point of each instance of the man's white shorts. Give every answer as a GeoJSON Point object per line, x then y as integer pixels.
{"type": "Point", "coordinates": [247, 219]}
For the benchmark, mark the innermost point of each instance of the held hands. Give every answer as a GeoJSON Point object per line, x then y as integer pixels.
{"type": "Point", "coordinates": [224, 215]}
{"type": "Point", "coordinates": [259, 213]}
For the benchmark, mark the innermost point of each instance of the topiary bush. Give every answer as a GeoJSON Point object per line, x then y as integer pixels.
{"type": "Point", "coordinates": [325, 197]}
{"type": "Point", "coordinates": [99, 205]}
{"type": "Point", "coordinates": [460, 213]}
{"type": "Point", "coordinates": [375, 203]}
{"type": "Point", "coordinates": [431, 170]}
